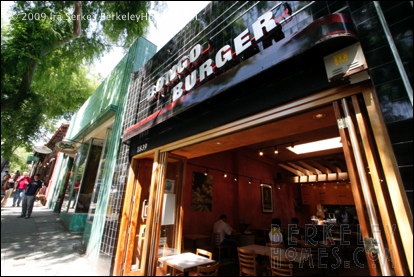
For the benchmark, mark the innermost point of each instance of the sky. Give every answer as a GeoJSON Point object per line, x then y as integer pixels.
{"type": "Point", "coordinates": [172, 19]}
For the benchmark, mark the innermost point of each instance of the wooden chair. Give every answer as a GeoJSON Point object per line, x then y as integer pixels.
{"type": "Point", "coordinates": [248, 264]}
{"type": "Point", "coordinates": [217, 247]}
{"type": "Point", "coordinates": [208, 270]}
{"type": "Point", "coordinates": [162, 269]}
{"type": "Point", "coordinates": [280, 266]}
{"type": "Point", "coordinates": [203, 253]}
{"type": "Point", "coordinates": [273, 245]}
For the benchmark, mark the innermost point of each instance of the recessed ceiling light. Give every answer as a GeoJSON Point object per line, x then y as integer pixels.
{"type": "Point", "coordinates": [319, 115]}
{"type": "Point", "coordinates": [218, 142]}
{"type": "Point", "coordinates": [315, 146]}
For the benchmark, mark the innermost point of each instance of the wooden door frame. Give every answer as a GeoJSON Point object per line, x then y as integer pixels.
{"type": "Point", "coordinates": [395, 185]}
{"type": "Point", "coordinates": [325, 97]}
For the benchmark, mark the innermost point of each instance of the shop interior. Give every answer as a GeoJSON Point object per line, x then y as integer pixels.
{"type": "Point", "coordinates": [290, 175]}
{"type": "Point", "coordinates": [229, 175]}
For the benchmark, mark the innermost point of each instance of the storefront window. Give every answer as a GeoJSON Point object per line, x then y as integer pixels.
{"type": "Point", "coordinates": [78, 193]}
{"type": "Point", "coordinates": [99, 176]}
{"type": "Point", "coordinates": [78, 168]}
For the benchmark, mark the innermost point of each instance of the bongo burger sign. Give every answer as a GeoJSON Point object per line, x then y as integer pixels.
{"type": "Point", "coordinates": [67, 147]}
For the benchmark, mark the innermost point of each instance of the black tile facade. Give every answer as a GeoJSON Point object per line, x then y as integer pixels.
{"type": "Point", "coordinates": [386, 76]}
{"type": "Point", "coordinates": [212, 26]}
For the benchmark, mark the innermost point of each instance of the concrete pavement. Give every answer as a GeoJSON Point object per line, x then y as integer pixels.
{"type": "Point", "coordinates": [39, 245]}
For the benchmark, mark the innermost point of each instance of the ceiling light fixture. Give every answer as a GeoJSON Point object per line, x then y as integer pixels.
{"type": "Point", "coordinates": [315, 146]}
{"type": "Point", "coordinates": [276, 147]}
{"type": "Point", "coordinates": [225, 174]}
{"type": "Point", "coordinates": [319, 115]}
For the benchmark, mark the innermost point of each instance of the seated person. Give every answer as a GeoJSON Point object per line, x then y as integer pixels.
{"type": "Point", "coordinates": [276, 235]}
{"type": "Point", "coordinates": [343, 216]}
{"type": "Point", "coordinates": [225, 230]}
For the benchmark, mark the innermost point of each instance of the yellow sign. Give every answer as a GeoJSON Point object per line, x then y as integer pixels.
{"type": "Point", "coordinates": [340, 58]}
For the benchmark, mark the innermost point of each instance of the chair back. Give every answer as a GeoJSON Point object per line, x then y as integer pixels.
{"type": "Point", "coordinates": [204, 253]}
{"type": "Point", "coordinates": [280, 265]}
{"type": "Point", "coordinates": [208, 270]}
{"type": "Point", "coordinates": [215, 239]}
{"type": "Point", "coordinates": [247, 262]}
{"type": "Point", "coordinates": [217, 247]}
{"type": "Point", "coordinates": [162, 268]}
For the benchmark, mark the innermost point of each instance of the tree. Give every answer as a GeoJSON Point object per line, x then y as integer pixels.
{"type": "Point", "coordinates": [45, 54]}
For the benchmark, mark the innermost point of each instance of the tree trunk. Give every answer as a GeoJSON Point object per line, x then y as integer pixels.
{"type": "Point", "coordinates": [4, 162]}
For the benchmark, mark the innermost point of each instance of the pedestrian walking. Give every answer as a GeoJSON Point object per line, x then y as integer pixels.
{"type": "Point", "coordinates": [4, 180]}
{"type": "Point", "coordinates": [19, 188]}
{"type": "Point", "coordinates": [29, 196]}
{"type": "Point", "coordinates": [8, 186]}
{"type": "Point", "coordinates": [16, 175]}
{"type": "Point", "coordinates": [4, 174]}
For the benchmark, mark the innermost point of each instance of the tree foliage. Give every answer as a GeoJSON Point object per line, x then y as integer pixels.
{"type": "Point", "coordinates": [45, 54]}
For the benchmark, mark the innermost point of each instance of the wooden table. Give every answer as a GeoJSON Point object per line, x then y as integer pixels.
{"type": "Point", "coordinates": [185, 262]}
{"type": "Point", "coordinates": [196, 237]}
{"type": "Point", "coordinates": [293, 254]}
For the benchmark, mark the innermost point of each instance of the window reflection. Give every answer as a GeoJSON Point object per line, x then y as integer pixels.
{"type": "Point", "coordinates": [79, 191]}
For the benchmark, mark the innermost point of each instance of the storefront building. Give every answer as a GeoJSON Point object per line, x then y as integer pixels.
{"type": "Point", "coordinates": [83, 179]}
{"type": "Point", "coordinates": [44, 161]}
{"type": "Point", "coordinates": [247, 77]}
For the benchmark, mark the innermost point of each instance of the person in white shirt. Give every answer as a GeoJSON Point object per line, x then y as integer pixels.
{"type": "Point", "coordinates": [224, 229]}
{"type": "Point", "coordinates": [276, 236]}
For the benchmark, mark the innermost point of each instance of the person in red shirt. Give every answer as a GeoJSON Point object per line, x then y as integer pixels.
{"type": "Point", "coordinates": [19, 188]}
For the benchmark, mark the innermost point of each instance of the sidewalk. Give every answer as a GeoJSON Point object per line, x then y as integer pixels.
{"type": "Point", "coordinates": [39, 245]}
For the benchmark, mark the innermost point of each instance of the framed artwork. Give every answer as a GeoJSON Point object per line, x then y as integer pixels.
{"type": "Point", "coordinates": [169, 186]}
{"type": "Point", "coordinates": [202, 192]}
{"type": "Point", "coordinates": [267, 198]}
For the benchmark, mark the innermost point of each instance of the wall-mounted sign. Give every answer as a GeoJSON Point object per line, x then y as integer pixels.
{"type": "Point", "coordinates": [192, 68]}
{"type": "Point", "coordinates": [42, 149]}
{"type": "Point", "coordinates": [32, 159]}
{"type": "Point", "coordinates": [203, 74]}
{"type": "Point", "coordinates": [67, 147]}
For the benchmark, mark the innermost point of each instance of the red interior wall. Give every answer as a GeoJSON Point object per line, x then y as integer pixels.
{"type": "Point", "coordinates": [240, 201]}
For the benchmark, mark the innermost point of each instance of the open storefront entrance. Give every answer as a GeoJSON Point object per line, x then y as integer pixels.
{"type": "Point", "coordinates": [153, 209]}
{"type": "Point", "coordinates": [160, 177]}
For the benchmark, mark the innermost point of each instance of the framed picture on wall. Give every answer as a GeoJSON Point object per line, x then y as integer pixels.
{"type": "Point", "coordinates": [169, 186]}
{"type": "Point", "coordinates": [267, 198]}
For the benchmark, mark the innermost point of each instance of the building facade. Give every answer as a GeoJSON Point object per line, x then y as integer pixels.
{"type": "Point", "coordinates": [246, 76]}
{"type": "Point", "coordinates": [206, 115]}
{"type": "Point", "coordinates": [83, 176]}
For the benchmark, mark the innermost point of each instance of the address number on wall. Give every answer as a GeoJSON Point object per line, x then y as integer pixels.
{"type": "Point", "coordinates": [142, 147]}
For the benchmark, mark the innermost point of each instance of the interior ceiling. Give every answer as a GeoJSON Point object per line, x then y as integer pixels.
{"type": "Point", "coordinates": [301, 128]}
